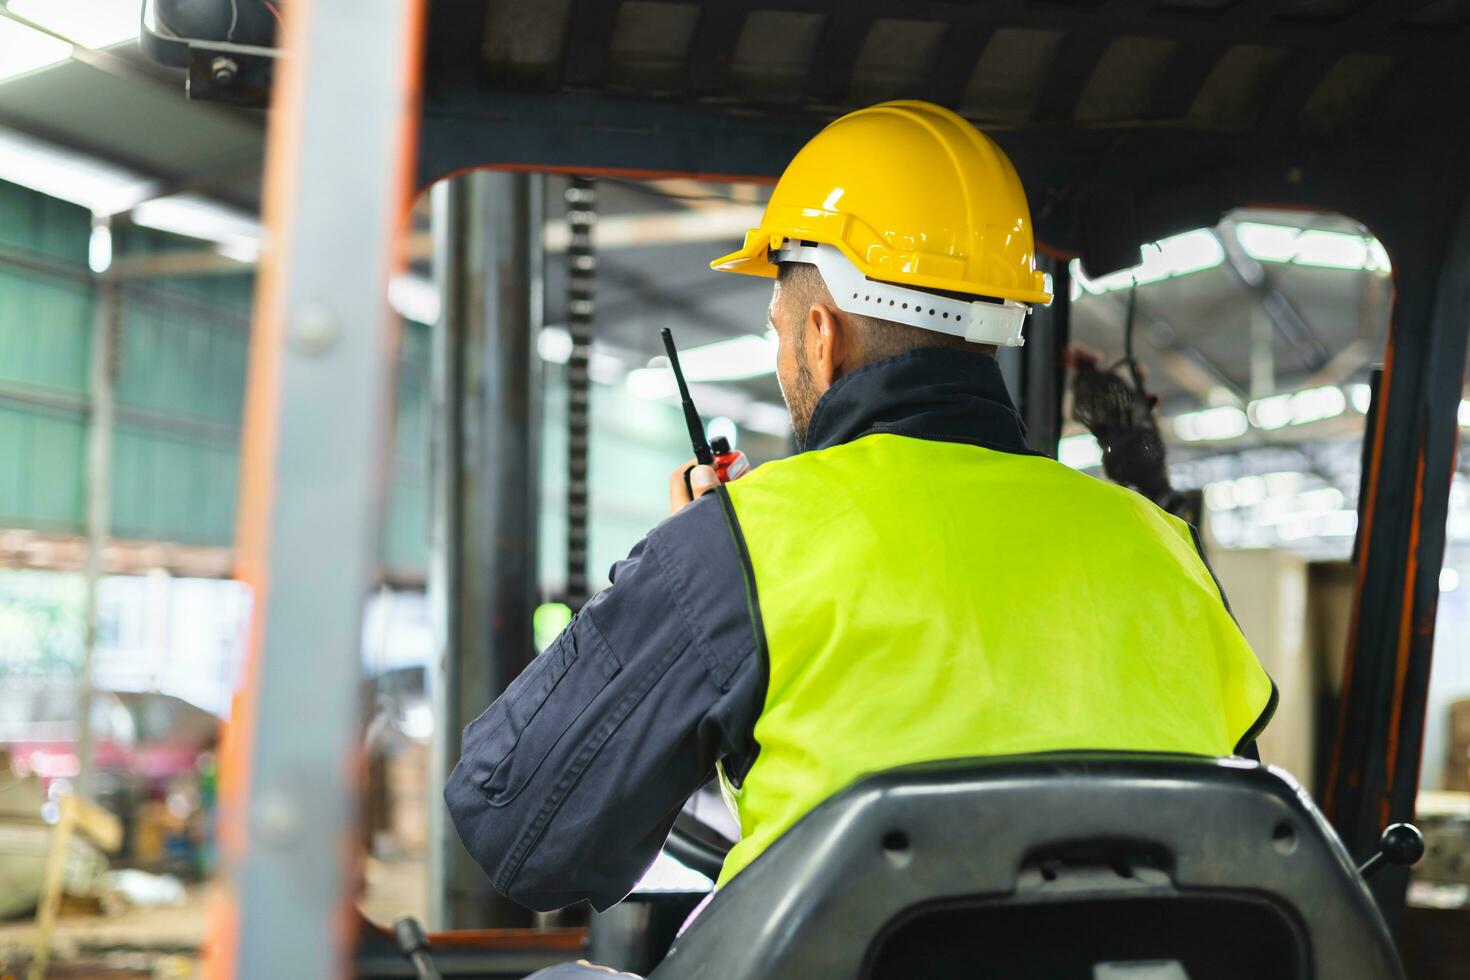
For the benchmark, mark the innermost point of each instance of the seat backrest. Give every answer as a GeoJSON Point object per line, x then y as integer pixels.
{"type": "Point", "coordinates": [1091, 865]}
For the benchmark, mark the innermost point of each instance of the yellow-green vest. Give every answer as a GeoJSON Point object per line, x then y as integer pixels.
{"type": "Point", "coordinates": [927, 600]}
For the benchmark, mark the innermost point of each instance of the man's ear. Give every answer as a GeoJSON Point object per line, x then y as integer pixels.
{"type": "Point", "coordinates": [829, 344]}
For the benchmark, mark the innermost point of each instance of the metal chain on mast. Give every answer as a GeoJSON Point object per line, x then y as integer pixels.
{"type": "Point", "coordinates": [581, 201]}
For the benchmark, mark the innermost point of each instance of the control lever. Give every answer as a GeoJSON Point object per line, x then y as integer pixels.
{"type": "Point", "coordinates": [414, 944]}
{"type": "Point", "coordinates": [1401, 844]}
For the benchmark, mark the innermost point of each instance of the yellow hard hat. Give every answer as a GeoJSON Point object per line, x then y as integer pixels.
{"type": "Point", "coordinates": [910, 194]}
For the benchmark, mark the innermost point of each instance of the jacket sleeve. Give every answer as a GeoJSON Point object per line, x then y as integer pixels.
{"type": "Point", "coordinates": [568, 784]}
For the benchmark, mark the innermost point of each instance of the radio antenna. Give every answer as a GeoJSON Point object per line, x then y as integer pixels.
{"type": "Point", "coordinates": [702, 453]}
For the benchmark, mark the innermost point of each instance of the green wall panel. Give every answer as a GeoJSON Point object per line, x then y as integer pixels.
{"type": "Point", "coordinates": [180, 365]}
{"type": "Point", "coordinates": [31, 222]}
{"type": "Point", "coordinates": [173, 488]}
{"type": "Point", "coordinates": [183, 350]}
{"type": "Point", "coordinates": [405, 541]}
{"type": "Point", "coordinates": [45, 331]}
{"type": "Point", "coordinates": [41, 482]}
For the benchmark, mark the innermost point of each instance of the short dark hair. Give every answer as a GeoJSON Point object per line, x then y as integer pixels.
{"type": "Point", "coordinates": [802, 284]}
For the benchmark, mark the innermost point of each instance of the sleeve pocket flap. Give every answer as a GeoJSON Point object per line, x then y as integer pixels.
{"type": "Point", "coordinates": [507, 744]}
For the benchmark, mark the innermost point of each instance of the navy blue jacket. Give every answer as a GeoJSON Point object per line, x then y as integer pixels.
{"type": "Point", "coordinates": [567, 786]}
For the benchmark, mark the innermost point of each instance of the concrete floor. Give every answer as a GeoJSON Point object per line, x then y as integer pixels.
{"type": "Point", "coordinates": [161, 942]}
{"type": "Point", "coordinates": [165, 942]}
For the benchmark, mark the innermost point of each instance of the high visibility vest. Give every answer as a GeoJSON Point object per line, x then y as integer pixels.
{"type": "Point", "coordinates": [927, 600]}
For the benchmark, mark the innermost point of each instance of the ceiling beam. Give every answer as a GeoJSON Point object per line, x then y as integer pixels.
{"type": "Point", "coordinates": [1179, 359]}
{"type": "Point", "coordinates": [1285, 317]}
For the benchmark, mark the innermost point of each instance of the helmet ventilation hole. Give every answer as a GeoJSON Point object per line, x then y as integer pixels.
{"type": "Point", "coordinates": [905, 306]}
{"type": "Point", "coordinates": [946, 316]}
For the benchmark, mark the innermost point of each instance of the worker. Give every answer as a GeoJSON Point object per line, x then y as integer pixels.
{"type": "Point", "coordinates": [914, 584]}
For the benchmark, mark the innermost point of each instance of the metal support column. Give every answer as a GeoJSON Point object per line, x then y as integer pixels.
{"type": "Point", "coordinates": [99, 505]}
{"type": "Point", "coordinates": [1042, 372]}
{"type": "Point", "coordinates": [1410, 456]}
{"type": "Point", "coordinates": [315, 451]}
{"type": "Point", "coordinates": [483, 570]}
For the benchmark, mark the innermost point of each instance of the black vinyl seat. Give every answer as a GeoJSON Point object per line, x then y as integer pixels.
{"type": "Point", "coordinates": [1098, 866]}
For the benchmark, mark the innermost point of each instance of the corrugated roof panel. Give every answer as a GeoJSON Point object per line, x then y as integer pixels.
{"type": "Point", "coordinates": [1321, 10]}
{"type": "Point", "coordinates": [895, 59]}
{"type": "Point", "coordinates": [1347, 88]}
{"type": "Point", "coordinates": [1009, 73]}
{"type": "Point", "coordinates": [1232, 94]}
{"type": "Point", "coordinates": [1442, 13]}
{"type": "Point", "coordinates": [1209, 6]}
{"type": "Point", "coordinates": [1121, 84]}
{"type": "Point", "coordinates": [771, 57]}
{"type": "Point", "coordinates": [523, 42]}
{"type": "Point", "coordinates": [650, 43]}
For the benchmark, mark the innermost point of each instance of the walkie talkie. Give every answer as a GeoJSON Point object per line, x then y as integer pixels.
{"type": "Point", "coordinates": [729, 463]}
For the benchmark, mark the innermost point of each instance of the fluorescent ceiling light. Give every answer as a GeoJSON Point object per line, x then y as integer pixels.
{"type": "Point", "coordinates": [1282, 483]}
{"type": "Point", "coordinates": [24, 49]}
{"type": "Point", "coordinates": [1323, 501]}
{"type": "Point", "coordinates": [1267, 243]}
{"type": "Point", "coordinates": [1220, 495]}
{"type": "Point", "coordinates": [554, 344]}
{"type": "Point", "coordinates": [1249, 491]}
{"type": "Point", "coordinates": [99, 249]}
{"type": "Point", "coordinates": [651, 384]}
{"type": "Point", "coordinates": [1317, 404]}
{"type": "Point", "coordinates": [1361, 397]}
{"type": "Point", "coordinates": [1449, 580]}
{"type": "Point", "coordinates": [1464, 415]}
{"type": "Point", "coordinates": [1338, 524]}
{"type": "Point", "coordinates": [605, 368]}
{"type": "Point", "coordinates": [1168, 258]}
{"type": "Point", "coordinates": [735, 359]}
{"type": "Point", "coordinates": [238, 234]}
{"type": "Point", "coordinates": [1307, 405]}
{"type": "Point", "coordinates": [1079, 452]}
{"type": "Point", "coordinates": [1332, 250]}
{"type": "Point", "coordinates": [723, 426]}
{"type": "Point", "coordinates": [414, 298]}
{"type": "Point", "coordinates": [1323, 249]}
{"type": "Point", "coordinates": [1225, 422]}
{"type": "Point", "coordinates": [67, 176]}
{"type": "Point", "coordinates": [1270, 413]}
{"type": "Point", "coordinates": [90, 23]}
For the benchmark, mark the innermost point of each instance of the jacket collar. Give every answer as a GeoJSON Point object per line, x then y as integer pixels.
{"type": "Point", "coordinates": [930, 393]}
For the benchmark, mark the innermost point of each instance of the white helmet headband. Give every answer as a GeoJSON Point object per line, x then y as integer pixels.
{"type": "Point", "coordinates": [979, 321]}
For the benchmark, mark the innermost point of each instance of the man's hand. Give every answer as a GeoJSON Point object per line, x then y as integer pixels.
{"type": "Point", "coordinates": [702, 478]}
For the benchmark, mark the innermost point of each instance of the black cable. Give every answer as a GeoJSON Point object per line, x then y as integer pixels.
{"type": "Point", "coordinates": [1128, 325]}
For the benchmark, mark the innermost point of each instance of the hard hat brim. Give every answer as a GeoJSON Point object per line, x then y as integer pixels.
{"type": "Point", "coordinates": [753, 259]}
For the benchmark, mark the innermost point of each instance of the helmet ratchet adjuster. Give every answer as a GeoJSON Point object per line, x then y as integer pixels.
{"type": "Point", "coordinates": [980, 321]}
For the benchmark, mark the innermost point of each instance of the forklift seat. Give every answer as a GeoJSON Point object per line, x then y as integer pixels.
{"type": "Point", "coordinates": [1094, 866]}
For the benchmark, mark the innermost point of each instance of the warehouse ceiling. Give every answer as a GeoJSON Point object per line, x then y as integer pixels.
{"type": "Point", "coordinates": [117, 107]}
{"type": "Point", "coordinates": [1222, 316]}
